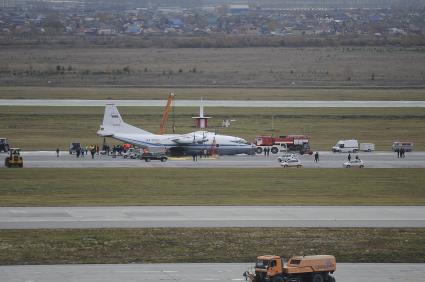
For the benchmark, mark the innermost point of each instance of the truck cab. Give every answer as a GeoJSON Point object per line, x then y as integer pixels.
{"type": "Point", "coordinates": [305, 149]}
{"type": "Point", "coordinates": [268, 266]}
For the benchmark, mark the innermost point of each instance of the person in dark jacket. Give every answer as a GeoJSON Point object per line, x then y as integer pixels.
{"type": "Point", "coordinates": [316, 157]}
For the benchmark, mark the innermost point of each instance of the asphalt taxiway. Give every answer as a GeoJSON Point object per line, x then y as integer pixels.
{"type": "Point", "coordinates": [212, 216]}
{"type": "Point", "coordinates": [48, 159]}
{"type": "Point", "coordinates": [346, 272]}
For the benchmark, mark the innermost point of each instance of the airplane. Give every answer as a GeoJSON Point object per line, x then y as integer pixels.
{"type": "Point", "coordinates": [174, 144]}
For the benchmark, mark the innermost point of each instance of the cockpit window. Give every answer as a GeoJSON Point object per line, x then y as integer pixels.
{"type": "Point", "coordinates": [262, 263]}
{"type": "Point", "coordinates": [241, 141]}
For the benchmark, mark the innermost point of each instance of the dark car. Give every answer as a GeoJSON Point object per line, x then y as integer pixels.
{"type": "Point", "coordinates": [74, 147]}
{"type": "Point", "coordinates": [4, 146]}
{"type": "Point", "coordinates": [153, 156]}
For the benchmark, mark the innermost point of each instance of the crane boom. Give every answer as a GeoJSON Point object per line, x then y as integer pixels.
{"type": "Point", "coordinates": [165, 114]}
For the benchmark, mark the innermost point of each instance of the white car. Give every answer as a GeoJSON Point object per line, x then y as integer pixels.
{"type": "Point", "coordinates": [293, 162]}
{"type": "Point", "coordinates": [131, 153]}
{"type": "Point", "coordinates": [354, 163]}
{"type": "Point", "coordinates": [286, 157]}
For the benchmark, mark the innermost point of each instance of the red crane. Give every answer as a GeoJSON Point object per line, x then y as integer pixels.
{"type": "Point", "coordinates": [165, 114]}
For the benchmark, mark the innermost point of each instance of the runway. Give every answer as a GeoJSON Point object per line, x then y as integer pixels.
{"type": "Point", "coordinates": [346, 272]}
{"type": "Point", "coordinates": [212, 216]}
{"type": "Point", "coordinates": [214, 103]}
{"type": "Point", "coordinates": [40, 159]}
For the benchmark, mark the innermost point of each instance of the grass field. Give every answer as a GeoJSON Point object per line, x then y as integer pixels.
{"type": "Point", "coordinates": [158, 186]}
{"type": "Point", "coordinates": [180, 245]}
{"type": "Point", "coordinates": [46, 128]}
{"type": "Point", "coordinates": [33, 74]}
{"type": "Point", "coordinates": [215, 93]}
{"type": "Point", "coordinates": [361, 66]}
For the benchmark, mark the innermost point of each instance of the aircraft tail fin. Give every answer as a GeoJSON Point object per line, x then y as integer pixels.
{"type": "Point", "coordinates": [113, 123]}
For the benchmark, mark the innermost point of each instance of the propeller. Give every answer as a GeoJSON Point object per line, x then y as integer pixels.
{"type": "Point", "coordinates": [200, 141]}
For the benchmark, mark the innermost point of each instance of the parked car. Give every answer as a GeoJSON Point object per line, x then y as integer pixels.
{"type": "Point", "coordinates": [154, 156]}
{"type": "Point", "coordinates": [293, 162]}
{"type": "Point", "coordinates": [132, 153]}
{"type": "Point", "coordinates": [285, 157]}
{"type": "Point", "coordinates": [354, 163]}
{"type": "Point", "coordinates": [4, 146]}
{"type": "Point", "coordinates": [74, 147]}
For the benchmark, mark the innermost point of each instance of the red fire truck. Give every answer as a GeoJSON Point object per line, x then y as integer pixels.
{"type": "Point", "coordinates": [288, 143]}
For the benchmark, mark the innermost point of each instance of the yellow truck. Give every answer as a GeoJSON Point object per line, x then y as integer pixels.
{"type": "Point", "coordinates": [271, 268]}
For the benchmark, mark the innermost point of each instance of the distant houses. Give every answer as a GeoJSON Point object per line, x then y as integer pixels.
{"type": "Point", "coordinates": [239, 19]}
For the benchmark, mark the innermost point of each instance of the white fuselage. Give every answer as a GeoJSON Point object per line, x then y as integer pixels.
{"type": "Point", "coordinates": [189, 143]}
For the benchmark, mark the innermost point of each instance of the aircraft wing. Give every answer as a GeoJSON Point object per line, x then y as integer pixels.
{"type": "Point", "coordinates": [190, 138]}
{"type": "Point", "coordinates": [183, 140]}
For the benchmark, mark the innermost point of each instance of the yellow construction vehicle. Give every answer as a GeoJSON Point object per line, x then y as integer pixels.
{"type": "Point", "coordinates": [272, 268]}
{"type": "Point", "coordinates": [14, 159]}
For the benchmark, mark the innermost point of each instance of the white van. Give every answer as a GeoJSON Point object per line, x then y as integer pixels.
{"type": "Point", "coordinates": [367, 147]}
{"type": "Point", "coordinates": [346, 146]}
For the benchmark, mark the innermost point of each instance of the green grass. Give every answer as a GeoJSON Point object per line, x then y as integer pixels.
{"type": "Point", "coordinates": [173, 186]}
{"type": "Point", "coordinates": [330, 66]}
{"type": "Point", "coordinates": [194, 245]}
{"type": "Point", "coordinates": [52, 127]}
{"type": "Point", "coordinates": [214, 93]}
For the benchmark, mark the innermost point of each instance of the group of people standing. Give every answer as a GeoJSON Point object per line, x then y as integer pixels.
{"type": "Point", "coordinates": [93, 149]}
{"type": "Point", "coordinates": [266, 151]}
{"type": "Point", "coordinates": [401, 152]}
{"type": "Point", "coordinates": [349, 157]}
{"type": "Point", "coordinates": [202, 154]}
